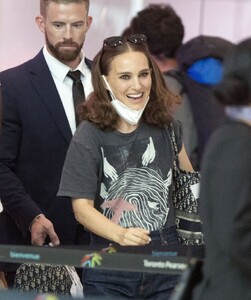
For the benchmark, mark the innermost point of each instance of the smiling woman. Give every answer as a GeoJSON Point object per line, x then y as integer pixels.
{"type": "Point", "coordinates": [118, 170]}
{"type": "Point", "coordinates": [124, 72]}
{"type": "Point", "coordinates": [132, 88]}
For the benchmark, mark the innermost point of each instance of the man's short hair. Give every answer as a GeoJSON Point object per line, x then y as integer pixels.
{"type": "Point", "coordinates": [44, 4]}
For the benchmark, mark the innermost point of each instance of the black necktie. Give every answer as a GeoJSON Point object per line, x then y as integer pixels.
{"type": "Point", "coordinates": [77, 90]}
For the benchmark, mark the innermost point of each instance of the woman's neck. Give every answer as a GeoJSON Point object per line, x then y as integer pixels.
{"type": "Point", "coordinates": [125, 127]}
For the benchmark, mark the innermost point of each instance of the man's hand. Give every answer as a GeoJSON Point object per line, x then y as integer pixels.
{"type": "Point", "coordinates": [40, 228]}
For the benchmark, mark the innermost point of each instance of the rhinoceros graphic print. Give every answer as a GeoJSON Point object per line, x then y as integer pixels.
{"type": "Point", "coordinates": [135, 185]}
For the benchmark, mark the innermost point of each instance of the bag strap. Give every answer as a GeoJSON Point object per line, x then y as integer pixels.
{"type": "Point", "coordinates": [176, 163]}
{"type": "Point", "coordinates": [173, 139]}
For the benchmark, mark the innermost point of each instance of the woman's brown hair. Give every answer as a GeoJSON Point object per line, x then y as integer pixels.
{"type": "Point", "coordinates": [98, 108]}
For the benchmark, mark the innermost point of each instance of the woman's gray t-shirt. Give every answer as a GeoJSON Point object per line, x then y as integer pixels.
{"type": "Point", "coordinates": [129, 176]}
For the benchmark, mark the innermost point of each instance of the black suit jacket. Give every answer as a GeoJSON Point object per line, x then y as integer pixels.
{"type": "Point", "coordinates": [225, 203]}
{"type": "Point", "coordinates": [33, 145]}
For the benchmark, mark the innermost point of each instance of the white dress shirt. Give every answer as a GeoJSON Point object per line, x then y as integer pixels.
{"type": "Point", "coordinates": [64, 83]}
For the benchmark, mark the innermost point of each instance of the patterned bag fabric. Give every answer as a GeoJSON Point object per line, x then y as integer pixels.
{"type": "Point", "coordinates": [48, 279]}
{"type": "Point", "coordinates": [185, 200]}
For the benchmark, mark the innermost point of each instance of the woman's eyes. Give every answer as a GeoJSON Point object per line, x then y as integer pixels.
{"type": "Point", "coordinates": [144, 74]}
{"type": "Point", "coordinates": [127, 77]}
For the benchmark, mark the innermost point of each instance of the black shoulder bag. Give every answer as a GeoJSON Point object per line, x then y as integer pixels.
{"type": "Point", "coordinates": [185, 200]}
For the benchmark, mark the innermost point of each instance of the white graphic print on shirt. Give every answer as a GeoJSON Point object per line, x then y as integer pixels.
{"type": "Point", "coordinates": [136, 184]}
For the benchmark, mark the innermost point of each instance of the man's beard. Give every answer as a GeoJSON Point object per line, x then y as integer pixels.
{"type": "Point", "coordinates": [64, 55]}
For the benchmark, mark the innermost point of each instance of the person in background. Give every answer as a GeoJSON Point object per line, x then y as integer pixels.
{"type": "Point", "coordinates": [38, 124]}
{"type": "Point", "coordinates": [200, 61]}
{"type": "Point", "coordinates": [190, 69]}
{"type": "Point", "coordinates": [165, 32]}
{"type": "Point", "coordinates": [118, 169]}
{"type": "Point", "coordinates": [225, 193]}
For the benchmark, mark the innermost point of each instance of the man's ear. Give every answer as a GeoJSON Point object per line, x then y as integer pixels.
{"type": "Point", "coordinates": [40, 23]}
{"type": "Point", "coordinates": [89, 22]}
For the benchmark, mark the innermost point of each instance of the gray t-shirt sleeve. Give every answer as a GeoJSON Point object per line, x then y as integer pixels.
{"type": "Point", "coordinates": [80, 172]}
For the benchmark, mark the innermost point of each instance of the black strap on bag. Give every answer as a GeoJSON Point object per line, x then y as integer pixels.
{"type": "Point", "coordinates": [188, 224]}
{"type": "Point", "coordinates": [186, 206]}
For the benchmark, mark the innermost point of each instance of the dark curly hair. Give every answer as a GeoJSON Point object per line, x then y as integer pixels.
{"type": "Point", "coordinates": [163, 28]}
{"type": "Point", "coordinates": [98, 108]}
{"type": "Point", "coordinates": [235, 87]}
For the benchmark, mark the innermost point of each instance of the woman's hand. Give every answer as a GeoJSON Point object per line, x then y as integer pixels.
{"type": "Point", "coordinates": [133, 237]}
{"type": "Point", "coordinates": [97, 223]}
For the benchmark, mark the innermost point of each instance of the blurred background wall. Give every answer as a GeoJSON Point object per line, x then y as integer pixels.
{"type": "Point", "coordinates": [20, 39]}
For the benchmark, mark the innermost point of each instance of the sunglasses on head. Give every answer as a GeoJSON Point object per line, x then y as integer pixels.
{"type": "Point", "coordinates": [115, 41]}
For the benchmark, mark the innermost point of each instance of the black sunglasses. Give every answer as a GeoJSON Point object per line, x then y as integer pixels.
{"type": "Point", "coordinates": [115, 41]}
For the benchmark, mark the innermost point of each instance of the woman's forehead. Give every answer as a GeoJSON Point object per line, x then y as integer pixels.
{"type": "Point", "coordinates": [129, 61]}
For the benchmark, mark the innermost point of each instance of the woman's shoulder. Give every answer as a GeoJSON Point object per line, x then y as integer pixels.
{"type": "Point", "coordinates": [87, 127]}
{"type": "Point", "coordinates": [87, 131]}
